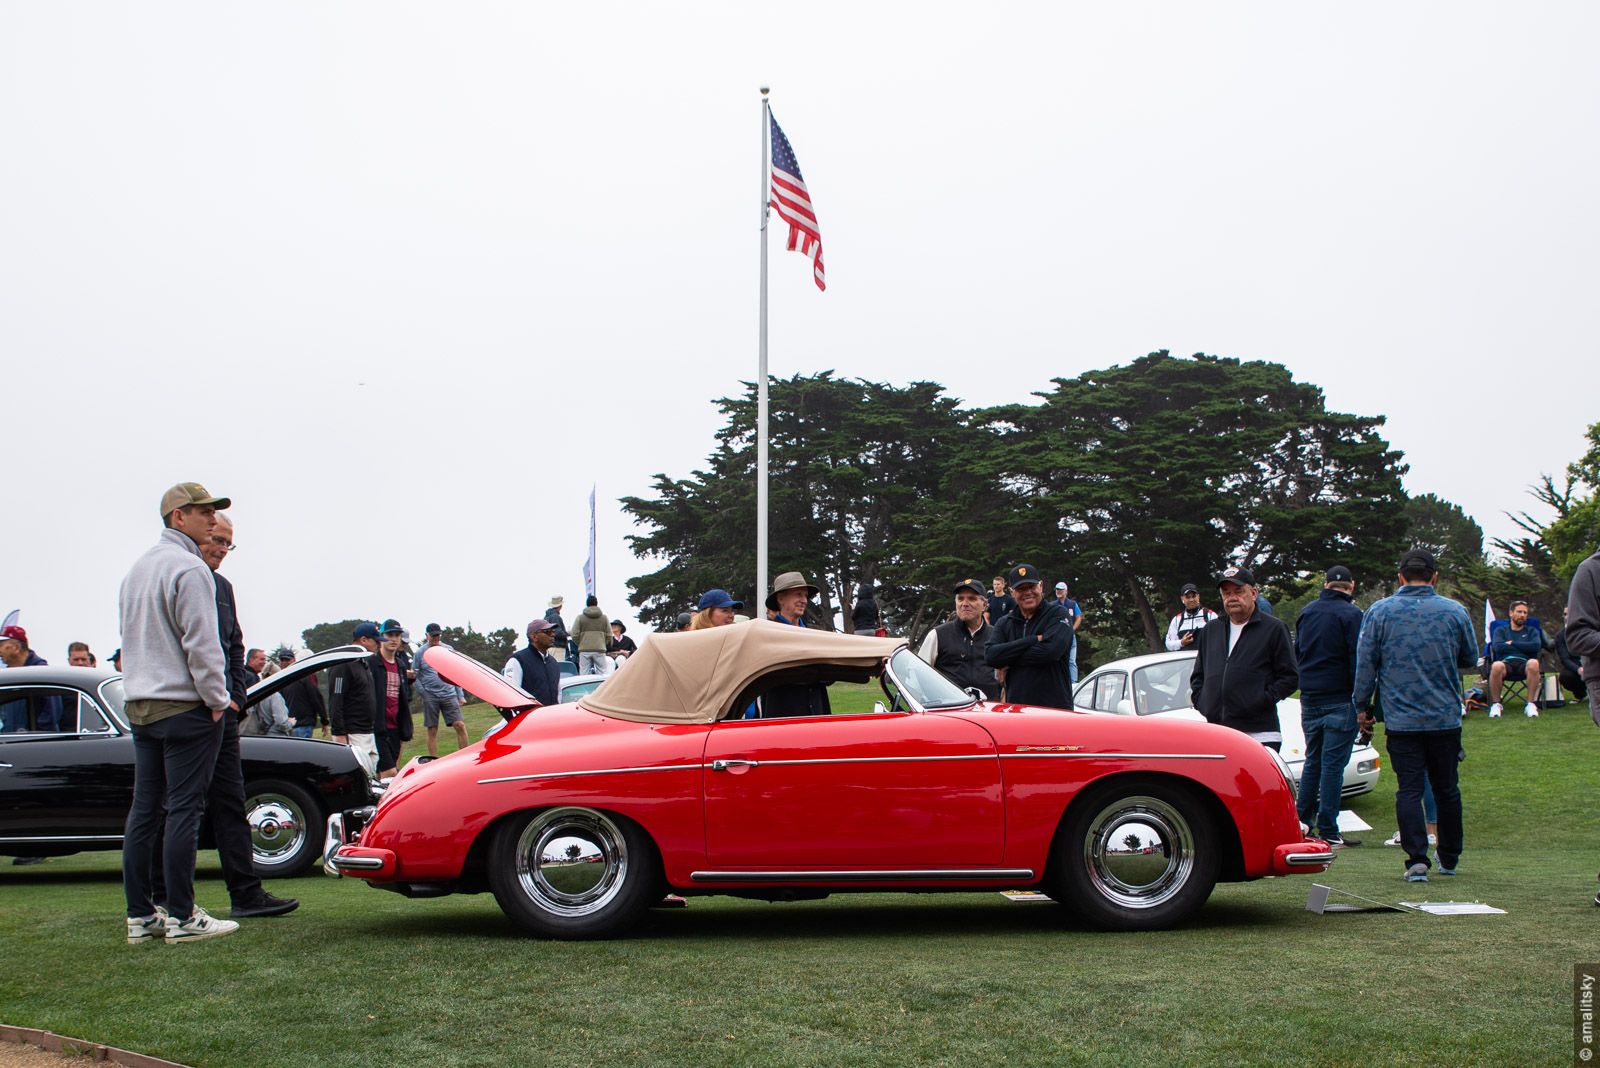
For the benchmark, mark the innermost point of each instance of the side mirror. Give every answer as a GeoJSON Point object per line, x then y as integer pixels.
{"type": "Point", "coordinates": [878, 709]}
{"type": "Point", "coordinates": [1124, 707]}
{"type": "Point", "coordinates": [975, 693]}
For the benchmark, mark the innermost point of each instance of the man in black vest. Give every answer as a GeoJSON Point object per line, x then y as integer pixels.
{"type": "Point", "coordinates": [956, 648]}
{"type": "Point", "coordinates": [534, 669]}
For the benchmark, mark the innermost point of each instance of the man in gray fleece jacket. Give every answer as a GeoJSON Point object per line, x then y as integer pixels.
{"type": "Point", "coordinates": [175, 677]}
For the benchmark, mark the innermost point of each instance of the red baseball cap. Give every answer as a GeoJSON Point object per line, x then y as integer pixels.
{"type": "Point", "coordinates": [14, 633]}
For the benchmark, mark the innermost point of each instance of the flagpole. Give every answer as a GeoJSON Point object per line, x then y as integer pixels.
{"type": "Point", "coordinates": [761, 373]}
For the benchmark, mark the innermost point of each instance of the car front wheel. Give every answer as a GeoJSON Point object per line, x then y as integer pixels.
{"type": "Point", "coordinates": [1136, 855]}
{"type": "Point", "coordinates": [574, 872]}
{"type": "Point", "coordinates": [285, 828]}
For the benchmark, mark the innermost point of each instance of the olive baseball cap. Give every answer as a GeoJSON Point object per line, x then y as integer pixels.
{"type": "Point", "coordinates": [187, 493]}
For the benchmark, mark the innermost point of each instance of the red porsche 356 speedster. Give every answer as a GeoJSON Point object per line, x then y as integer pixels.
{"type": "Point", "coordinates": [669, 778]}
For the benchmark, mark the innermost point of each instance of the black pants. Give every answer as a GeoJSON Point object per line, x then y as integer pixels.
{"type": "Point", "coordinates": [1431, 757]}
{"type": "Point", "coordinates": [230, 829]}
{"type": "Point", "coordinates": [173, 763]}
{"type": "Point", "coordinates": [388, 744]}
{"type": "Point", "coordinates": [1574, 683]}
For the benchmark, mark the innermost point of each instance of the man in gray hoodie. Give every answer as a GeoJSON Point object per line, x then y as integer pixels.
{"type": "Point", "coordinates": [175, 679]}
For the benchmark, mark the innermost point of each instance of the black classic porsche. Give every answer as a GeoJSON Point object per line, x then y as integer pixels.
{"type": "Point", "coordinates": [66, 769]}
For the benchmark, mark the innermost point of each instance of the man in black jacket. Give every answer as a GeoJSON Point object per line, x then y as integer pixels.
{"type": "Point", "coordinates": [352, 706]}
{"type": "Point", "coordinates": [1028, 647]}
{"type": "Point", "coordinates": [1244, 663]}
{"type": "Point", "coordinates": [956, 648]}
{"type": "Point", "coordinates": [1325, 638]}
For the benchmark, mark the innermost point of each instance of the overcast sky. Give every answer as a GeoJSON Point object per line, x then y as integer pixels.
{"type": "Point", "coordinates": [406, 280]}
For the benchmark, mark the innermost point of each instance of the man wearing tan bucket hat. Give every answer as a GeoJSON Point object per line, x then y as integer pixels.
{"type": "Point", "coordinates": [791, 593]}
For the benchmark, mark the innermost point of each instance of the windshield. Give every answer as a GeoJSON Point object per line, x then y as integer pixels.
{"type": "Point", "coordinates": [921, 684]}
{"type": "Point", "coordinates": [1163, 687]}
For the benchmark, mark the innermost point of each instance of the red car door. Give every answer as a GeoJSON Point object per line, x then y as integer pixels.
{"type": "Point", "coordinates": [880, 791]}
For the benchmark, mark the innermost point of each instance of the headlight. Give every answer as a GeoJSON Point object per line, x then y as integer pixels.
{"type": "Point", "coordinates": [1367, 766]}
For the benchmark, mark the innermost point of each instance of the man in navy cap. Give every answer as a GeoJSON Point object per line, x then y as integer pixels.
{"type": "Point", "coordinates": [1028, 647]}
{"type": "Point", "coordinates": [1244, 663]}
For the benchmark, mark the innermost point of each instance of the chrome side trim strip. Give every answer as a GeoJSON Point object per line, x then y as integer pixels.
{"type": "Point", "coordinates": [63, 838]}
{"type": "Point", "coordinates": [870, 760]}
{"type": "Point", "coordinates": [597, 771]}
{"type": "Point", "coordinates": [860, 760]}
{"type": "Point", "coordinates": [1113, 756]}
{"type": "Point", "coordinates": [1323, 859]}
{"type": "Point", "coordinates": [860, 876]}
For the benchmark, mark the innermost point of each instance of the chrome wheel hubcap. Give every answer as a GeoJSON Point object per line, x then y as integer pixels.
{"type": "Point", "coordinates": [571, 861]}
{"type": "Point", "coordinates": [277, 827]}
{"type": "Point", "coordinates": [1139, 852]}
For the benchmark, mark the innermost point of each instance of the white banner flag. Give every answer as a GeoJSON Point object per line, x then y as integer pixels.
{"type": "Point", "coordinates": [588, 567]}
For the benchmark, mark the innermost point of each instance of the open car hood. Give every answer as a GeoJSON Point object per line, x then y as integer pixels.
{"type": "Point", "coordinates": [481, 682]}
{"type": "Point", "coordinates": [339, 654]}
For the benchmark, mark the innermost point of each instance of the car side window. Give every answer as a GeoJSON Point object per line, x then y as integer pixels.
{"type": "Point", "coordinates": [90, 719]}
{"type": "Point", "coordinates": [38, 710]}
{"type": "Point", "coordinates": [1113, 685]}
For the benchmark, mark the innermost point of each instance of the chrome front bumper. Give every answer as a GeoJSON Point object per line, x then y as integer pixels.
{"type": "Point", "coordinates": [344, 828]}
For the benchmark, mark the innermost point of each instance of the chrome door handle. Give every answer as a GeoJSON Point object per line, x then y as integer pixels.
{"type": "Point", "coordinates": [724, 765]}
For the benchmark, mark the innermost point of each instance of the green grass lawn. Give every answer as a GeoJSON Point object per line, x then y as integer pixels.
{"type": "Point", "coordinates": [362, 977]}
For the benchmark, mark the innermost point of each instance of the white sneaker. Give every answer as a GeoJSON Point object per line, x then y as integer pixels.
{"type": "Point", "coordinates": [1495, 710]}
{"type": "Point", "coordinates": [1532, 711]}
{"type": "Point", "coordinates": [199, 925]}
{"type": "Point", "coordinates": [144, 930]}
{"type": "Point", "coordinates": [1395, 840]}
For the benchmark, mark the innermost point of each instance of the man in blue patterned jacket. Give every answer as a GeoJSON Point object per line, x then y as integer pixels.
{"type": "Point", "coordinates": [1412, 649]}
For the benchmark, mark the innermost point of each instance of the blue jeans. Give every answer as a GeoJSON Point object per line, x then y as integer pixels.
{"type": "Point", "coordinates": [1420, 759]}
{"type": "Point", "coordinates": [303, 732]}
{"type": "Point", "coordinates": [1330, 735]}
{"type": "Point", "coordinates": [173, 761]}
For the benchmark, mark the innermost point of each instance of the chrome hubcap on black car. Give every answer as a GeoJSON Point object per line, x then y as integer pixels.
{"type": "Point", "coordinates": [1139, 852]}
{"type": "Point", "coordinates": [571, 861]}
{"type": "Point", "coordinates": [277, 827]}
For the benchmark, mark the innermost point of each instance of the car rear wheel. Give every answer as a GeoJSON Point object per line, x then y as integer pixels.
{"type": "Point", "coordinates": [1136, 855]}
{"type": "Point", "coordinates": [285, 828]}
{"type": "Point", "coordinates": [574, 872]}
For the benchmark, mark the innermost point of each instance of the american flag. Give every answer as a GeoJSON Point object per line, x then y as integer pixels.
{"type": "Point", "coordinates": [793, 204]}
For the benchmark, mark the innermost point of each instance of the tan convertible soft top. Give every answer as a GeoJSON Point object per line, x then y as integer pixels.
{"type": "Point", "coordinates": [693, 677]}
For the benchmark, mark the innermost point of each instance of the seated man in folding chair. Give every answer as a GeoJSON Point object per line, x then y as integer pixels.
{"type": "Point", "coordinates": [1514, 658]}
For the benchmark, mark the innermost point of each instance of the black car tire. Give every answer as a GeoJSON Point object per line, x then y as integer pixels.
{"type": "Point", "coordinates": [285, 828]}
{"type": "Point", "coordinates": [574, 873]}
{"type": "Point", "coordinates": [1137, 854]}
